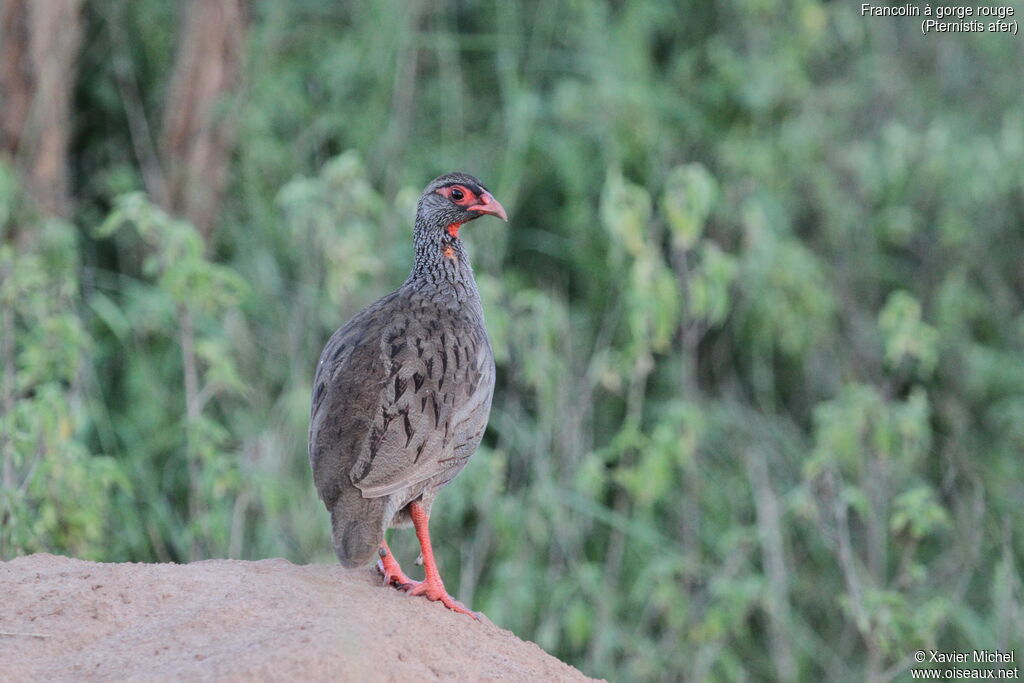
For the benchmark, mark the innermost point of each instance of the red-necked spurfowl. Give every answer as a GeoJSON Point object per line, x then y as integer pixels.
{"type": "Point", "coordinates": [402, 393]}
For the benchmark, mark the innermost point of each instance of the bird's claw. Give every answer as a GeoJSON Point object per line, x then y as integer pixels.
{"type": "Point", "coordinates": [406, 586]}
{"type": "Point", "coordinates": [393, 576]}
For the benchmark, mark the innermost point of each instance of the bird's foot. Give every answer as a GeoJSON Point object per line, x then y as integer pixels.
{"type": "Point", "coordinates": [435, 590]}
{"type": "Point", "coordinates": [393, 575]}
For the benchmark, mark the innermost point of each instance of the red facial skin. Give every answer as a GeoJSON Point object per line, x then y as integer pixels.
{"type": "Point", "coordinates": [483, 203]}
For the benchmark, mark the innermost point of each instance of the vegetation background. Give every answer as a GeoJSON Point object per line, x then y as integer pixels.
{"type": "Point", "coordinates": [758, 314]}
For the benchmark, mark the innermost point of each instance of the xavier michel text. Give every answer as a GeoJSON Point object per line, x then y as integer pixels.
{"type": "Point", "coordinates": [973, 657]}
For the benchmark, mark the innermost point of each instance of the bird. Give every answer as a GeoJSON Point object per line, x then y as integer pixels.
{"type": "Point", "coordinates": [402, 394]}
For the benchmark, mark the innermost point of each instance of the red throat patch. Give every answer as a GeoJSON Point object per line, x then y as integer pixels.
{"type": "Point", "coordinates": [453, 229]}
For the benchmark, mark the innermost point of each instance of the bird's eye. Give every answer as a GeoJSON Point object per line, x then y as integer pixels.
{"type": "Point", "coordinates": [457, 194]}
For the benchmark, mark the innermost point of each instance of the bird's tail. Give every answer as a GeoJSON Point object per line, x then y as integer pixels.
{"type": "Point", "coordinates": [357, 528]}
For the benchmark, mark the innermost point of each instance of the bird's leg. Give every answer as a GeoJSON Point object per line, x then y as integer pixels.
{"type": "Point", "coordinates": [431, 586]}
{"type": "Point", "coordinates": [387, 565]}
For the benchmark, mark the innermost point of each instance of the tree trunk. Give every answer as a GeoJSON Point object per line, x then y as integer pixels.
{"type": "Point", "coordinates": [39, 42]}
{"type": "Point", "coordinates": [199, 116]}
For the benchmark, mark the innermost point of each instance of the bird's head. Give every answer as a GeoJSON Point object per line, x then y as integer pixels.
{"type": "Point", "coordinates": [453, 200]}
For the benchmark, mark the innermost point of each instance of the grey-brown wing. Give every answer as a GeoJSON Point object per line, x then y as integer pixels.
{"type": "Point", "coordinates": [405, 404]}
{"type": "Point", "coordinates": [434, 407]}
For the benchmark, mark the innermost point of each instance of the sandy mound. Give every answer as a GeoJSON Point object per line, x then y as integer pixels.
{"type": "Point", "coordinates": [66, 619]}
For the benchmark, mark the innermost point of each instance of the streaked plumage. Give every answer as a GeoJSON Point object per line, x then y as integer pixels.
{"type": "Point", "coordinates": [403, 391]}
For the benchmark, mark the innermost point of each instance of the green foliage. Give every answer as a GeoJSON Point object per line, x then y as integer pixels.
{"type": "Point", "coordinates": [54, 493]}
{"type": "Point", "coordinates": [906, 336]}
{"type": "Point", "coordinates": [687, 202]}
{"type": "Point", "coordinates": [757, 318]}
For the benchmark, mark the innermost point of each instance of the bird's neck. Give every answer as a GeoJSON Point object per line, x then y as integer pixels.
{"type": "Point", "coordinates": [442, 266]}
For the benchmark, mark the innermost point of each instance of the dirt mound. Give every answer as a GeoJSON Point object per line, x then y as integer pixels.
{"type": "Point", "coordinates": [66, 619]}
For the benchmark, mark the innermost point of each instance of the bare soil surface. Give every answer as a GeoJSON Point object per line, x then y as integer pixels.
{"type": "Point", "coordinates": [66, 619]}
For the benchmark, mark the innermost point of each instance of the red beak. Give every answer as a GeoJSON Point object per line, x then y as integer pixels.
{"type": "Point", "coordinates": [490, 206]}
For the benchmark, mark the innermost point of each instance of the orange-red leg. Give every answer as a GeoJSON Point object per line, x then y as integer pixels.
{"type": "Point", "coordinates": [387, 565]}
{"type": "Point", "coordinates": [432, 586]}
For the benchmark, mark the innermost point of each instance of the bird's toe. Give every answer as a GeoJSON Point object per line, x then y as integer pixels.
{"type": "Point", "coordinates": [392, 575]}
{"type": "Point", "coordinates": [435, 591]}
